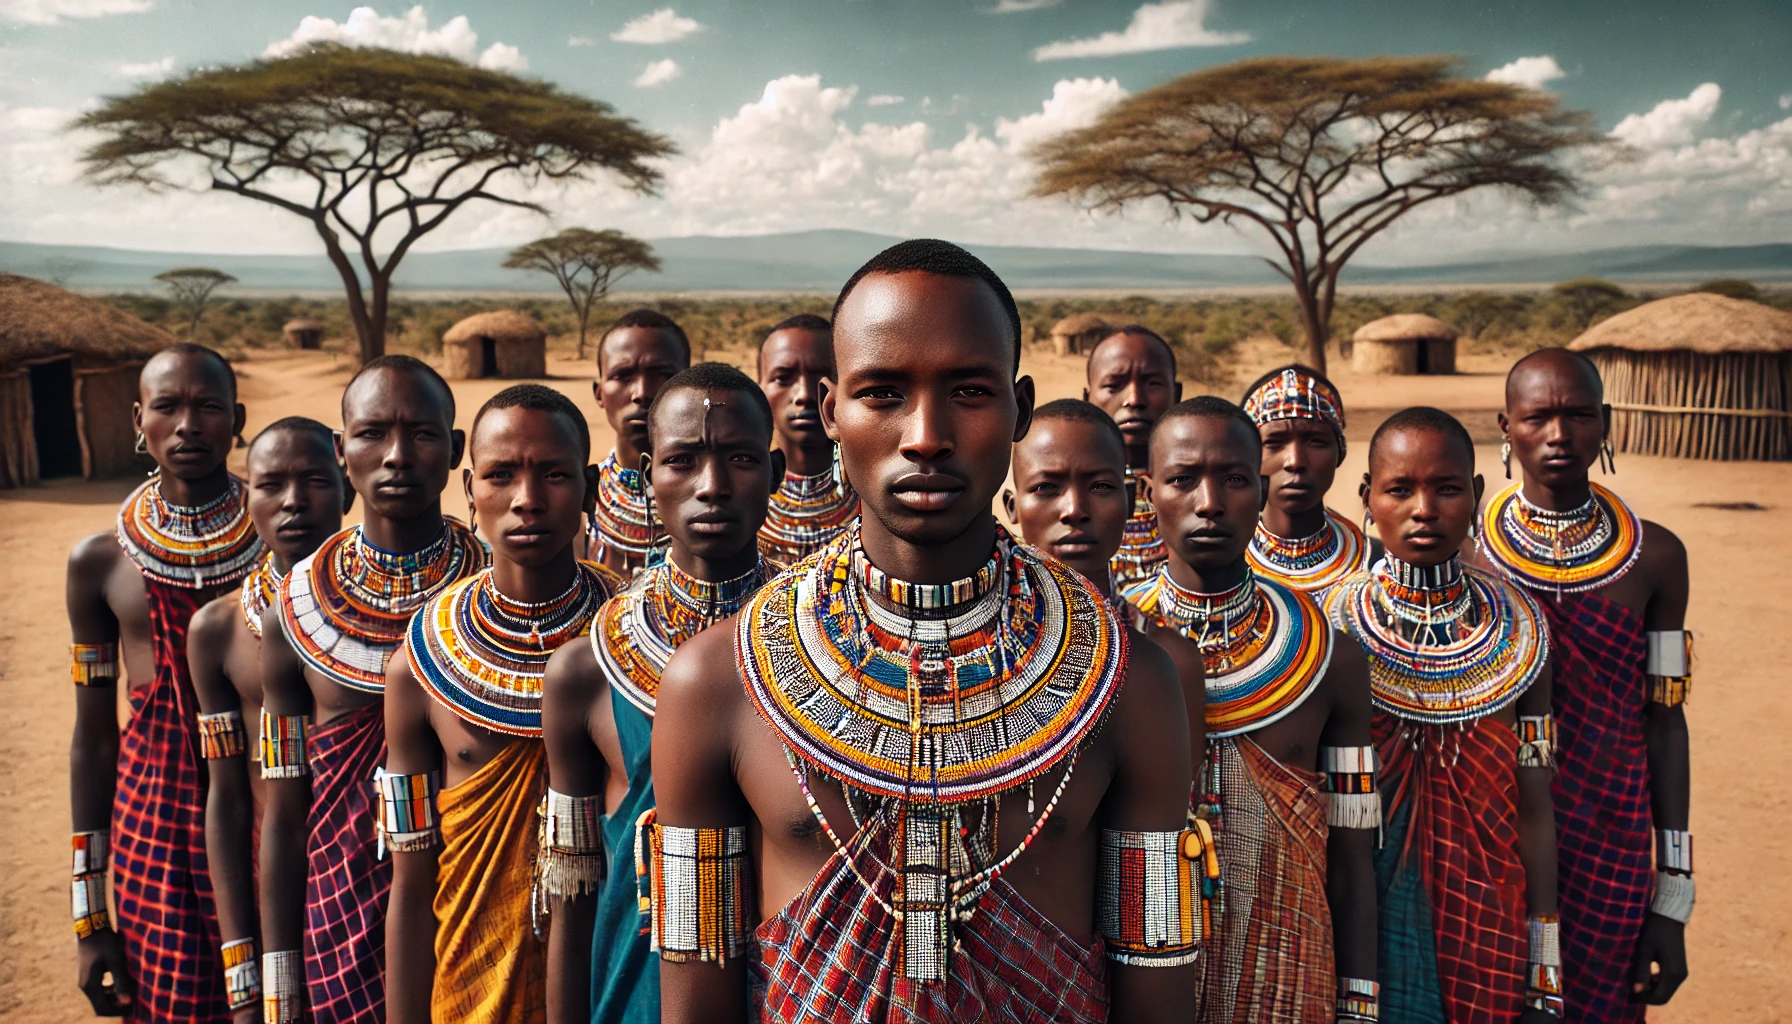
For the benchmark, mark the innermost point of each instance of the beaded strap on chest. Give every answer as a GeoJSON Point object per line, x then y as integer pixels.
{"type": "Point", "coordinates": [637, 631]}
{"type": "Point", "coordinates": [1568, 552]}
{"type": "Point", "coordinates": [194, 547]}
{"type": "Point", "coordinates": [260, 588]}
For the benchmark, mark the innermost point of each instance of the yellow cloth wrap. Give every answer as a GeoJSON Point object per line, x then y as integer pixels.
{"type": "Point", "coordinates": [490, 969]}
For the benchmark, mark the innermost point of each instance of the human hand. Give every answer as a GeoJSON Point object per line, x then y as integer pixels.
{"type": "Point", "coordinates": [101, 955]}
{"type": "Point", "coordinates": [1660, 964]}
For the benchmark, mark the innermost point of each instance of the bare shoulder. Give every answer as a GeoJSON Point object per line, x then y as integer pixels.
{"type": "Point", "coordinates": [1664, 553]}
{"type": "Point", "coordinates": [1152, 687]}
{"type": "Point", "coordinates": [214, 626]}
{"type": "Point", "coordinates": [94, 557]}
{"type": "Point", "coordinates": [703, 677]}
{"type": "Point", "coordinates": [1349, 666]}
{"type": "Point", "coordinates": [572, 678]}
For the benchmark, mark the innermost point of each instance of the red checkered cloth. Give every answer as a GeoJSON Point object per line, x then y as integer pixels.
{"type": "Point", "coordinates": [1457, 789]}
{"type": "Point", "coordinates": [159, 873]}
{"type": "Point", "coordinates": [1604, 867]}
{"type": "Point", "coordinates": [345, 893]}
{"type": "Point", "coordinates": [830, 957]}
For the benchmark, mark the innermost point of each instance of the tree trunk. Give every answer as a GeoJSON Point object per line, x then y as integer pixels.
{"type": "Point", "coordinates": [357, 303]}
{"type": "Point", "coordinates": [373, 344]}
{"type": "Point", "coordinates": [1313, 324]}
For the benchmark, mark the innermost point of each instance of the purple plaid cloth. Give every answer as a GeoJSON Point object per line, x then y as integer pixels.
{"type": "Point", "coordinates": [345, 894]}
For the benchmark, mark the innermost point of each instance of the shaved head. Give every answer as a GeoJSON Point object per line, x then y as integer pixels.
{"type": "Point", "coordinates": [1553, 364]}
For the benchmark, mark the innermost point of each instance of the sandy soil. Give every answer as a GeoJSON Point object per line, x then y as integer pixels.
{"type": "Point", "coordinates": [1741, 716]}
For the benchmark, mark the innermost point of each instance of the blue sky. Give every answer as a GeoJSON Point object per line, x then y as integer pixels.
{"type": "Point", "coordinates": [910, 117]}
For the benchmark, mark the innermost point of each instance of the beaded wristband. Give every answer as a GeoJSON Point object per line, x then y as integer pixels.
{"type": "Point", "coordinates": [222, 735]}
{"type": "Point", "coordinates": [1359, 1002]}
{"type": "Point", "coordinates": [93, 852]}
{"type": "Point", "coordinates": [406, 815]}
{"type": "Point", "coordinates": [1350, 777]}
{"type": "Point", "coordinates": [1674, 896]}
{"type": "Point", "coordinates": [283, 753]}
{"type": "Point", "coordinates": [1673, 851]}
{"type": "Point", "coordinates": [701, 895]}
{"type": "Point", "coordinates": [93, 664]}
{"type": "Point", "coordinates": [1543, 974]}
{"type": "Point", "coordinates": [1536, 741]}
{"type": "Point", "coordinates": [282, 973]}
{"type": "Point", "coordinates": [571, 861]}
{"type": "Point", "coordinates": [1148, 904]}
{"type": "Point", "coordinates": [242, 975]}
{"type": "Point", "coordinates": [87, 899]}
{"type": "Point", "coordinates": [1668, 665]}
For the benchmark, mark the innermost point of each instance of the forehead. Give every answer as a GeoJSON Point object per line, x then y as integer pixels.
{"type": "Point", "coordinates": [1204, 439]}
{"type": "Point", "coordinates": [1420, 452]}
{"type": "Point", "coordinates": [922, 324]}
{"type": "Point", "coordinates": [1068, 446]}
{"type": "Point", "coordinates": [1300, 426]}
{"type": "Point", "coordinates": [184, 373]}
{"type": "Point", "coordinates": [731, 416]}
{"type": "Point", "coordinates": [502, 432]}
{"type": "Point", "coordinates": [635, 344]}
{"type": "Point", "coordinates": [284, 451]}
{"type": "Point", "coordinates": [1552, 380]}
{"type": "Point", "coordinates": [1119, 352]}
{"type": "Point", "coordinates": [393, 394]}
{"type": "Point", "coordinates": [797, 344]}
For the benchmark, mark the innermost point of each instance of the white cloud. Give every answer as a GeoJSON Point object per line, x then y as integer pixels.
{"type": "Point", "coordinates": [1530, 72]}
{"type": "Point", "coordinates": [1786, 101]}
{"type": "Point", "coordinates": [580, 41]}
{"type": "Point", "coordinates": [1162, 26]}
{"type": "Point", "coordinates": [49, 12]}
{"type": "Point", "coordinates": [1075, 103]}
{"type": "Point", "coordinates": [1016, 6]}
{"type": "Point", "coordinates": [410, 34]}
{"type": "Point", "coordinates": [146, 69]}
{"type": "Point", "coordinates": [1671, 122]}
{"type": "Point", "coordinates": [662, 26]}
{"type": "Point", "coordinates": [883, 100]}
{"type": "Point", "coordinates": [658, 73]}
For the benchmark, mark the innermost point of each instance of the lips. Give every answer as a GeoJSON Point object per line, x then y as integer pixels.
{"type": "Point", "coordinates": [1134, 426]}
{"type": "Point", "coordinates": [927, 492]}
{"type": "Point", "coordinates": [528, 536]}
{"type": "Point", "coordinates": [1077, 543]}
{"type": "Point", "coordinates": [711, 523]}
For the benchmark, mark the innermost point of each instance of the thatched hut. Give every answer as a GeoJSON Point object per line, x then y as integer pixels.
{"type": "Point", "coordinates": [304, 332]}
{"type": "Point", "coordinates": [1079, 333]}
{"type": "Point", "coordinates": [1405, 343]}
{"type": "Point", "coordinates": [68, 376]}
{"type": "Point", "coordinates": [502, 343]}
{"type": "Point", "coordinates": [1697, 376]}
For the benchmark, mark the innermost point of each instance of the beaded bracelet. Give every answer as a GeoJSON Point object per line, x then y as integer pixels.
{"type": "Point", "coordinates": [1543, 974]}
{"type": "Point", "coordinates": [1359, 1001]}
{"type": "Point", "coordinates": [282, 974]}
{"type": "Point", "coordinates": [93, 852]}
{"type": "Point", "coordinates": [1674, 896]}
{"type": "Point", "coordinates": [283, 754]}
{"type": "Point", "coordinates": [242, 975]}
{"type": "Point", "coordinates": [1536, 741]}
{"type": "Point", "coordinates": [406, 815]}
{"type": "Point", "coordinates": [571, 861]}
{"type": "Point", "coordinates": [1147, 925]}
{"type": "Point", "coordinates": [1350, 777]}
{"type": "Point", "coordinates": [87, 891]}
{"type": "Point", "coordinates": [701, 895]}
{"type": "Point", "coordinates": [222, 735]}
{"type": "Point", "coordinates": [93, 664]}
{"type": "Point", "coordinates": [1673, 851]}
{"type": "Point", "coordinates": [1668, 664]}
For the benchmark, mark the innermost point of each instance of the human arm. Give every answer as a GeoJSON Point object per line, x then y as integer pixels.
{"type": "Point", "coordinates": [575, 769]}
{"type": "Point", "coordinates": [412, 748]}
{"type": "Point", "coordinates": [1350, 851]}
{"type": "Point", "coordinates": [1537, 851]}
{"type": "Point", "coordinates": [1659, 967]}
{"type": "Point", "coordinates": [229, 806]}
{"type": "Point", "coordinates": [286, 806]}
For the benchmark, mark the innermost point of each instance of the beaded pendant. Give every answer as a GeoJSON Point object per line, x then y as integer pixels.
{"type": "Point", "coordinates": [260, 588]}
{"type": "Point", "coordinates": [806, 512]}
{"type": "Point", "coordinates": [1566, 552]}
{"type": "Point", "coordinates": [199, 547]}
{"type": "Point", "coordinates": [1141, 550]}
{"type": "Point", "coordinates": [622, 519]}
{"type": "Point", "coordinates": [1311, 564]}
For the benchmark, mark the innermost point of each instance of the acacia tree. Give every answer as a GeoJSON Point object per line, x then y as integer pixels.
{"type": "Point", "coordinates": [375, 148]}
{"type": "Point", "coordinates": [1321, 154]}
{"type": "Point", "coordinates": [192, 288]}
{"type": "Point", "coordinates": [585, 264]}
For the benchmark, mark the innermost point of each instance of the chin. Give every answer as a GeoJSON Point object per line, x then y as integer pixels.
{"type": "Point", "coordinates": [1205, 561]}
{"type": "Point", "coordinates": [925, 531]}
{"type": "Point", "coordinates": [718, 548]}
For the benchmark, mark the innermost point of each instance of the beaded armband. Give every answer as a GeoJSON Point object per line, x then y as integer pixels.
{"type": "Point", "coordinates": [698, 889]}
{"type": "Point", "coordinates": [242, 975]}
{"type": "Point", "coordinates": [1668, 666]}
{"type": "Point", "coordinates": [92, 664]}
{"type": "Point", "coordinates": [222, 735]}
{"type": "Point", "coordinates": [1543, 975]}
{"type": "Point", "coordinates": [283, 976]}
{"type": "Point", "coordinates": [1673, 851]}
{"type": "Point", "coordinates": [1536, 741]}
{"type": "Point", "coordinates": [87, 894]}
{"type": "Point", "coordinates": [1674, 896]}
{"type": "Point", "coordinates": [283, 753]}
{"type": "Point", "coordinates": [406, 811]}
{"type": "Point", "coordinates": [1148, 904]}
{"type": "Point", "coordinates": [571, 861]}
{"type": "Point", "coordinates": [1350, 777]}
{"type": "Point", "coordinates": [1359, 1002]}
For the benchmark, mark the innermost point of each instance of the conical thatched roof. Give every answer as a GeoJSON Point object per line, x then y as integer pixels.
{"type": "Point", "coordinates": [499, 325]}
{"type": "Point", "coordinates": [1405, 327]}
{"type": "Point", "coordinates": [1700, 322]}
{"type": "Point", "coordinates": [39, 320]}
{"type": "Point", "coordinates": [1080, 323]}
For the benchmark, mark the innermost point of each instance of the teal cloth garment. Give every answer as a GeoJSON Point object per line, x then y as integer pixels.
{"type": "Point", "coordinates": [625, 973]}
{"type": "Point", "coordinates": [1410, 990]}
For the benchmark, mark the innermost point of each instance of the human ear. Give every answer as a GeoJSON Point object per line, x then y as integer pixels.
{"type": "Point", "coordinates": [1480, 488]}
{"type": "Point", "coordinates": [591, 478]}
{"type": "Point", "coordinates": [777, 467]}
{"type": "Point", "coordinates": [1008, 504]}
{"type": "Point", "coordinates": [1023, 398]}
{"type": "Point", "coordinates": [826, 408]}
{"type": "Point", "coordinates": [459, 440]}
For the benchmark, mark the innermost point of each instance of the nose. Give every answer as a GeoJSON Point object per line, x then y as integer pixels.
{"type": "Point", "coordinates": [804, 392]}
{"type": "Point", "coordinates": [712, 481]}
{"type": "Point", "coordinates": [529, 495]}
{"type": "Point", "coordinates": [1425, 507]}
{"type": "Point", "coordinates": [1207, 500]}
{"type": "Point", "coordinates": [1555, 432]}
{"type": "Point", "coordinates": [1294, 457]}
{"type": "Point", "coordinates": [399, 453]}
{"type": "Point", "coordinates": [1134, 395]}
{"type": "Point", "coordinates": [927, 434]}
{"type": "Point", "coordinates": [294, 497]}
{"type": "Point", "coordinates": [1073, 507]}
{"type": "Point", "coordinates": [641, 388]}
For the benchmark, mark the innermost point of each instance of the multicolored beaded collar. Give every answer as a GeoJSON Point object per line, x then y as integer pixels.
{"type": "Point", "coordinates": [623, 519]}
{"type": "Point", "coordinates": [1566, 552]}
{"type": "Point", "coordinates": [1445, 644]}
{"type": "Point", "coordinates": [196, 548]}
{"type": "Point", "coordinates": [1265, 646]}
{"type": "Point", "coordinates": [637, 631]}
{"type": "Point", "coordinates": [806, 512]}
{"type": "Point", "coordinates": [483, 655]}
{"type": "Point", "coordinates": [1310, 564]}
{"type": "Point", "coordinates": [344, 609]}
{"type": "Point", "coordinates": [1141, 549]}
{"type": "Point", "coordinates": [260, 588]}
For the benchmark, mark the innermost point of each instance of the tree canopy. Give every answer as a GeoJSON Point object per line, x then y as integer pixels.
{"type": "Point", "coordinates": [585, 264]}
{"type": "Point", "coordinates": [1322, 154]}
{"type": "Point", "coordinates": [192, 288]}
{"type": "Point", "coordinates": [375, 148]}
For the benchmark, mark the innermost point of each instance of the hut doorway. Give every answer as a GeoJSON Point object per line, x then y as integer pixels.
{"type": "Point", "coordinates": [488, 357]}
{"type": "Point", "coordinates": [53, 419]}
{"type": "Point", "coordinates": [1423, 356]}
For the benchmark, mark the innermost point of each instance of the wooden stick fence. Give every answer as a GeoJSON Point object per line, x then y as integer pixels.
{"type": "Point", "coordinates": [1659, 401]}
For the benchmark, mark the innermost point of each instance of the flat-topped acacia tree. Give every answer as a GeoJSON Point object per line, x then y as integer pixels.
{"type": "Point", "coordinates": [375, 148]}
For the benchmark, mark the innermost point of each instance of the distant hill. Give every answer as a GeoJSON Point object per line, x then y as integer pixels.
{"type": "Point", "coordinates": [822, 260]}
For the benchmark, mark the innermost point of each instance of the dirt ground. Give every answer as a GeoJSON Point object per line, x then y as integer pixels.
{"type": "Point", "coordinates": [1740, 940]}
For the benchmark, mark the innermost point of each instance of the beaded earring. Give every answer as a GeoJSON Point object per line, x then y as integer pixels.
{"type": "Point", "coordinates": [142, 445]}
{"type": "Point", "coordinates": [1608, 461]}
{"type": "Point", "coordinates": [1506, 456]}
{"type": "Point", "coordinates": [839, 470]}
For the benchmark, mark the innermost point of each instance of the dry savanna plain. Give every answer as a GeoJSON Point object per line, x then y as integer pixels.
{"type": "Point", "coordinates": [1740, 940]}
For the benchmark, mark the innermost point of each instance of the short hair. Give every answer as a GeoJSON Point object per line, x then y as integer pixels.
{"type": "Point", "coordinates": [800, 322]}
{"type": "Point", "coordinates": [1424, 417]}
{"type": "Point", "coordinates": [1209, 407]}
{"type": "Point", "coordinates": [1555, 352]}
{"type": "Point", "coordinates": [540, 398]}
{"type": "Point", "coordinates": [188, 348]}
{"type": "Point", "coordinates": [650, 318]}
{"type": "Point", "coordinates": [933, 256]}
{"type": "Point", "coordinates": [1301, 368]}
{"type": "Point", "coordinates": [716, 377]}
{"type": "Point", "coordinates": [1075, 410]}
{"type": "Point", "coordinates": [1137, 330]}
{"type": "Point", "coordinates": [402, 364]}
{"type": "Point", "coordinates": [297, 425]}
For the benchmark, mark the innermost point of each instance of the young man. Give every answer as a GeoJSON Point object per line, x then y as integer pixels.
{"type": "Point", "coordinates": [1299, 541]}
{"type": "Point", "coordinates": [1614, 588]}
{"type": "Point", "coordinates": [297, 496]}
{"type": "Point", "coordinates": [1132, 377]}
{"type": "Point", "coordinates": [183, 538]}
{"type": "Point", "coordinates": [341, 615]}
{"type": "Point", "coordinates": [930, 679]}
{"type": "Point", "coordinates": [465, 771]}
{"type": "Point", "coordinates": [637, 355]}
{"type": "Point", "coordinates": [813, 504]}
{"type": "Point", "coordinates": [712, 477]}
{"type": "Point", "coordinates": [1459, 663]}
{"type": "Point", "coordinates": [1287, 715]}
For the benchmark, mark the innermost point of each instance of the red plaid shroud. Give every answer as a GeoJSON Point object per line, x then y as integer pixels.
{"type": "Point", "coordinates": [831, 955]}
{"type": "Point", "coordinates": [347, 884]}
{"type": "Point", "coordinates": [159, 871]}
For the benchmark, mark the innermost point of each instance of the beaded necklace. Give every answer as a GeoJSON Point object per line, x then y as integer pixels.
{"type": "Point", "coordinates": [194, 547]}
{"type": "Point", "coordinates": [637, 631]}
{"type": "Point", "coordinates": [1141, 549]}
{"type": "Point", "coordinates": [1446, 644]}
{"type": "Point", "coordinates": [806, 512]}
{"type": "Point", "coordinates": [483, 655]}
{"type": "Point", "coordinates": [344, 608]}
{"type": "Point", "coordinates": [623, 518]}
{"type": "Point", "coordinates": [260, 588]}
{"type": "Point", "coordinates": [1568, 552]}
{"type": "Point", "coordinates": [1265, 646]}
{"type": "Point", "coordinates": [1311, 563]}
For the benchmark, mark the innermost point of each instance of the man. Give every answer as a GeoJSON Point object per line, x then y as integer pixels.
{"type": "Point", "coordinates": [183, 538]}
{"type": "Point", "coordinates": [813, 504]}
{"type": "Point", "coordinates": [1614, 588]}
{"type": "Point", "coordinates": [463, 714]}
{"type": "Point", "coordinates": [639, 352]}
{"type": "Point", "coordinates": [930, 679]}
{"type": "Point", "coordinates": [1299, 541]}
{"type": "Point", "coordinates": [712, 477]}
{"type": "Point", "coordinates": [1132, 377]}
{"type": "Point", "coordinates": [297, 496]}
{"type": "Point", "coordinates": [1287, 717]}
{"type": "Point", "coordinates": [341, 616]}
{"type": "Point", "coordinates": [1459, 666]}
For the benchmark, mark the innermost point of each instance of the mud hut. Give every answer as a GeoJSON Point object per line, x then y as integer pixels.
{"type": "Point", "coordinates": [1697, 376]}
{"type": "Point", "coordinates": [1079, 333]}
{"type": "Point", "coordinates": [502, 343]}
{"type": "Point", "coordinates": [304, 332]}
{"type": "Point", "coordinates": [68, 376]}
{"type": "Point", "coordinates": [1405, 343]}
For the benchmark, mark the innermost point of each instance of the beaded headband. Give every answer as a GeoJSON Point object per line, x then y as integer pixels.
{"type": "Point", "coordinates": [1293, 395]}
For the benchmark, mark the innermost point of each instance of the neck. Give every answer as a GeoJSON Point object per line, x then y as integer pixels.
{"type": "Point", "coordinates": [1559, 498]}
{"type": "Point", "coordinates": [715, 570]}
{"type": "Point", "coordinates": [402, 536]}
{"type": "Point", "coordinates": [283, 564]}
{"type": "Point", "coordinates": [1209, 581]}
{"type": "Point", "coordinates": [1138, 458]}
{"type": "Point", "coordinates": [953, 560]}
{"type": "Point", "coordinates": [806, 460]}
{"type": "Point", "coordinates": [195, 492]}
{"type": "Point", "coordinates": [1294, 525]}
{"type": "Point", "coordinates": [534, 584]}
{"type": "Point", "coordinates": [1439, 576]}
{"type": "Point", "coordinates": [627, 455]}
